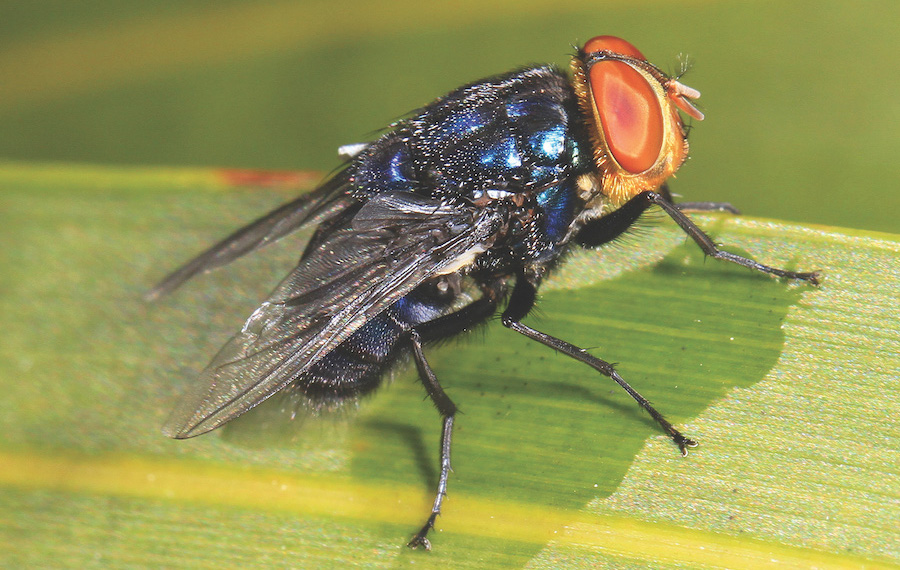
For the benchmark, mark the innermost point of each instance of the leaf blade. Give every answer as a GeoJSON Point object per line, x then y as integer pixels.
{"type": "Point", "coordinates": [90, 372]}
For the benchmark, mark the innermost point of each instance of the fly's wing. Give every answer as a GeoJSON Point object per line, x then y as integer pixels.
{"type": "Point", "coordinates": [324, 203]}
{"type": "Point", "coordinates": [394, 243]}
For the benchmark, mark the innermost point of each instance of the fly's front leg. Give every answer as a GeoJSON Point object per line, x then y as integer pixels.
{"type": "Point", "coordinates": [710, 248]}
{"type": "Point", "coordinates": [520, 303]}
{"type": "Point", "coordinates": [607, 228]}
{"type": "Point", "coordinates": [447, 409]}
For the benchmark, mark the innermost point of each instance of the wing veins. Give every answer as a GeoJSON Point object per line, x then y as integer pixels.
{"type": "Point", "coordinates": [377, 284]}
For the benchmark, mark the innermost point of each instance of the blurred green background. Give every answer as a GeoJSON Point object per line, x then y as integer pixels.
{"type": "Point", "coordinates": [800, 97]}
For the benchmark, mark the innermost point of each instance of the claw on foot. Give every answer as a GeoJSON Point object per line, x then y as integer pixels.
{"type": "Point", "coordinates": [813, 277]}
{"type": "Point", "coordinates": [684, 443]}
{"type": "Point", "coordinates": [419, 540]}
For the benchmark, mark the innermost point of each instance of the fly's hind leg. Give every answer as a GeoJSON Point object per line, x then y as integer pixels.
{"type": "Point", "coordinates": [443, 327]}
{"type": "Point", "coordinates": [447, 409]}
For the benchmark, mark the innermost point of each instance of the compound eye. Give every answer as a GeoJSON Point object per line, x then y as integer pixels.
{"type": "Point", "coordinates": [614, 45]}
{"type": "Point", "coordinates": [629, 113]}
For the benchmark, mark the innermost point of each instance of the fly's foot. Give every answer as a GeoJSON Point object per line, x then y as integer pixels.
{"type": "Point", "coordinates": [420, 539]}
{"type": "Point", "coordinates": [684, 443]}
{"type": "Point", "coordinates": [812, 277]}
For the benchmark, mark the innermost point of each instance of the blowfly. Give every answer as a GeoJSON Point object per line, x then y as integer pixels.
{"type": "Point", "coordinates": [458, 210]}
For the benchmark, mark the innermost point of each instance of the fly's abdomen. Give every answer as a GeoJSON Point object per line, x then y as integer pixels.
{"type": "Point", "coordinates": [355, 367]}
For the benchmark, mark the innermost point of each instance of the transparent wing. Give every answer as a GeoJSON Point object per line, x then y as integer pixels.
{"type": "Point", "coordinates": [324, 203]}
{"type": "Point", "coordinates": [394, 243]}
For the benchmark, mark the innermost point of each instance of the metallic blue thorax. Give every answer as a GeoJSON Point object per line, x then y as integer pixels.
{"type": "Point", "coordinates": [513, 133]}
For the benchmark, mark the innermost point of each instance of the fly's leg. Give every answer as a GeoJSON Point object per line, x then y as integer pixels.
{"type": "Point", "coordinates": [710, 248]}
{"type": "Point", "coordinates": [447, 409]}
{"type": "Point", "coordinates": [608, 370]}
{"type": "Point", "coordinates": [605, 229]}
{"type": "Point", "coordinates": [612, 225]}
{"type": "Point", "coordinates": [448, 325]}
{"type": "Point", "coordinates": [520, 303]}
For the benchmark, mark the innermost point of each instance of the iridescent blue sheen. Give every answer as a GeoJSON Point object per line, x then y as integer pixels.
{"type": "Point", "coordinates": [390, 169]}
{"type": "Point", "coordinates": [559, 206]}
{"type": "Point", "coordinates": [414, 309]}
{"type": "Point", "coordinates": [549, 144]}
{"type": "Point", "coordinates": [501, 155]}
{"type": "Point", "coordinates": [463, 125]}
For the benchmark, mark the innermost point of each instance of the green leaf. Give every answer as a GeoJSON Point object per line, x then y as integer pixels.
{"type": "Point", "coordinates": [791, 391]}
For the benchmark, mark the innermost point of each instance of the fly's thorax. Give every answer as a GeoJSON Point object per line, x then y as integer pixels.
{"type": "Point", "coordinates": [637, 136]}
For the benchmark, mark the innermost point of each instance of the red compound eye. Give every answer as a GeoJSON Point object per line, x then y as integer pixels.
{"type": "Point", "coordinates": [629, 113]}
{"type": "Point", "coordinates": [613, 44]}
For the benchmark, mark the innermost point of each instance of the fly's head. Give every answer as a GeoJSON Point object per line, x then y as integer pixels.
{"type": "Point", "coordinates": [631, 107]}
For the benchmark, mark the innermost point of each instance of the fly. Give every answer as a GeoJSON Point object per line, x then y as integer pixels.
{"type": "Point", "coordinates": [456, 211]}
